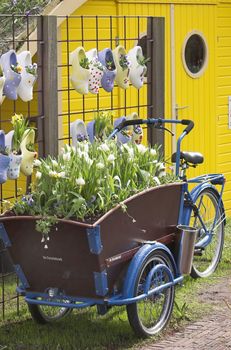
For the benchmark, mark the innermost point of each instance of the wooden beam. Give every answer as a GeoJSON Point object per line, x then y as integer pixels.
{"type": "Point", "coordinates": [156, 76]}
{"type": "Point", "coordinates": [50, 85]}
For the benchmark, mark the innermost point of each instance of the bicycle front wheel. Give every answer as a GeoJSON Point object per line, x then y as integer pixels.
{"type": "Point", "coordinates": [207, 258]}
{"type": "Point", "coordinates": [150, 315]}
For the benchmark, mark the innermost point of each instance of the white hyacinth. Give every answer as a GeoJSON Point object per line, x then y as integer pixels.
{"type": "Point", "coordinates": [80, 181]}
{"type": "Point", "coordinates": [38, 175]}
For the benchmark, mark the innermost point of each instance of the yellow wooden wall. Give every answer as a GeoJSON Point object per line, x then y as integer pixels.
{"type": "Point", "coordinates": [223, 91]}
{"type": "Point", "coordinates": [198, 94]}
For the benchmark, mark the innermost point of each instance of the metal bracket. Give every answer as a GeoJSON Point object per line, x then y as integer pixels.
{"type": "Point", "coordinates": [4, 236]}
{"type": "Point", "coordinates": [101, 286]}
{"type": "Point", "coordinates": [94, 240]}
{"type": "Point", "coordinates": [21, 276]}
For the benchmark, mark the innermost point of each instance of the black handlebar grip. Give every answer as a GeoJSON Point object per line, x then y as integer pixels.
{"type": "Point", "coordinates": [129, 122]}
{"type": "Point", "coordinates": [189, 123]}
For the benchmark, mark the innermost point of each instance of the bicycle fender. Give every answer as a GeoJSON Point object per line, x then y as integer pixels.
{"type": "Point", "coordinates": [194, 194]}
{"type": "Point", "coordinates": [137, 261]}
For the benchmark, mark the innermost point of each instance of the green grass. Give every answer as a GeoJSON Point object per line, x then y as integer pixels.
{"type": "Point", "coordinates": [86, 330]}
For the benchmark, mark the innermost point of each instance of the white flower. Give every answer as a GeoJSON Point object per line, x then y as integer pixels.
{"type": "Point", "coordinates": [62, 174]}
{"type": "Point", "coordinates": [67, 148]}
{"type": "Point", "coordinates": [37, 162]}
{"type": "Point", "coordinates": [53, 173]}
{"type": "Point", "coordinates": [162, 173]}
{"type": "Point", "coordinates": [99, 165]}
{"type": "Point", "coordinates": [130, 151]}
{"type": "Point", "coordinates": [85, 147]}
{"type": "Point", "coordinates": [38, 175]}
{"type": "Point", "coordinates": [79, 152]}
{"type": "Point", "coordinates": [54, 163]}
{"type": "Point", "coordinates": [141, 148]}
{"type": "Point", "coordinates": [104, 147]}
{"type": "Point", "coordinates": [153, 152]}
{"type": "Point", "coordinates": [67, 156]}
{"type": "Point", "coordinates": [80, 181]}
{"type": "Point", "coordinates": [155, 178]}
{"type": "Point", "coordinates": [111, 158]}
{"type": "Point", "coordinates": [161, 166]}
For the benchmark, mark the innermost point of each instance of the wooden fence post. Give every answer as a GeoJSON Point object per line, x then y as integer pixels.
{"type": "Point", "coordinates": [48, 101]}
{"type": "Point", "coordinates": [156, 76]}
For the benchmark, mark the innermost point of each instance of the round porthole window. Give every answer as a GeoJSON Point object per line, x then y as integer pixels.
{"type": "Point", "coordinates": [195, 54]}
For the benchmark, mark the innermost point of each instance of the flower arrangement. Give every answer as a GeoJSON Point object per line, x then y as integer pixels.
{"type": "Point", "coordinates": [87, 181]}
{"type": "Point", "coordinates": [20, 125]}
{"type": "Point", "coordinates": [97, 64]}
{"type": "Point", "coordinates": [124, 61]}
{"type": "Point", "coordinates": [32, 69]}
{"type": "Point", "coordinates": [84, 63]}
{"type": "Point", "coordinates": [16, 68]}
{"type": "Point", "coordinates": [103, 124]}
{"type": "Point", "coordinates": [142, 60]}
{"type": "Point", "coordinates": [110, 65]}
{"type": "Point", "coordinates": [4, 150]}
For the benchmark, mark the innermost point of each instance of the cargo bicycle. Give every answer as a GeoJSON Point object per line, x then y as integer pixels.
{"type": "Point", "coordinates": [114, 261]}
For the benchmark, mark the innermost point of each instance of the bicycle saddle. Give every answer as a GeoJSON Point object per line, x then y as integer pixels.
{"type": "Point", "coordinates": [189, 157]}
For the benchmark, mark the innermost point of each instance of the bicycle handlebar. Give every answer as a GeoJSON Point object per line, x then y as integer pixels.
{"type": "Point", "coordinates": [189, 123]}
{"type": "Point", "coordinates": [156, 123]}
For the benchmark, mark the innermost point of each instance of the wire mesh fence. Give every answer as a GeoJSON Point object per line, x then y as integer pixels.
{"type": "Point", "coordinates": [56, 103]}
{"type": "Point", "coordinates": [100, 33]}
{"type": "Point", "coordinates": [18, 36]}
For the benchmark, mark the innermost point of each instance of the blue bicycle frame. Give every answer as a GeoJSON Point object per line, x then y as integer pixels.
{"type": "Point", "coordinates": [204, 181]}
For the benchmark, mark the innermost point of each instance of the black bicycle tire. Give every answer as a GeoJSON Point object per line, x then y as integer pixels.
{"type": "Point", "coordinates": [194, 273]}
{"type": "Point", "coordinates": [132, 313]}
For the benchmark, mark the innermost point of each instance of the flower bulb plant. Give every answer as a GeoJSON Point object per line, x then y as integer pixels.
{"type": "Point", "coordinates": [86, 181]}
{"type": "Point", "coordinates": [20, 125]}
{"type": "Point", "coordinates": [32, 69]}
{"type": "Point", "coordinates": [103, 124]}
{"type": "Point", "coordinates": [124, 61]}
{"type": "Point", "coordinates": [16, 68]}
{"type": "Point", "coordinates": [17, 136]}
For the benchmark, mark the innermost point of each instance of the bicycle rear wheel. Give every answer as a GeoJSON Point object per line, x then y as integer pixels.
{"type": "Point", "coordinates": [206, 259]}
{"type": "Point", "coordinates": [46, 314]}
